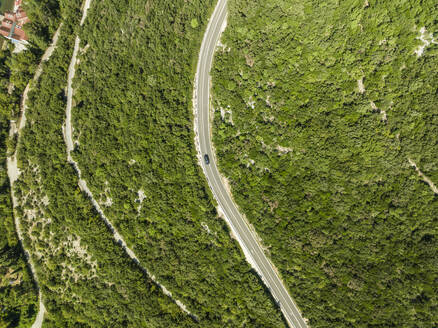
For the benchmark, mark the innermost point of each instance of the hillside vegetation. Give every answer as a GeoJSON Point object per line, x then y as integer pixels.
{"type": "Point", "coordinates": [85, 276]}
{"type": "Point", "coordinates": [134, 144]}
{"type": "Point", "coordinates": [322, 108]}
{"type": "Point", "coordinates": [164, 212]}
{"type": "Point", "coordinates": [18, 293]}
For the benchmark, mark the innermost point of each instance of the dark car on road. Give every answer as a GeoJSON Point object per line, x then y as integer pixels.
{"type": "Point", "coordinates": [206, 159]}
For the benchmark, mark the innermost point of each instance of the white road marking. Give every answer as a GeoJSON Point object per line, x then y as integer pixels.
{"type": "Point", "coordinates": [240, 228]}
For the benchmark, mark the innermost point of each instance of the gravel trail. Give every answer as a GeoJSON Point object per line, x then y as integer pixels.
{"type": "Point", "coordinates": [14, 172]}
{"type": "Point", "coordinates": [68, 128]}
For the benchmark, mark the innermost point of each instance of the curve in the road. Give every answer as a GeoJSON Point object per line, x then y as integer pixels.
{"type": "Point", "coordinates": [246, 236]}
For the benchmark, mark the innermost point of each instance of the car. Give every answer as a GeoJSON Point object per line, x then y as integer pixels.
{"type": "Point", "coordinates": [206, 159]}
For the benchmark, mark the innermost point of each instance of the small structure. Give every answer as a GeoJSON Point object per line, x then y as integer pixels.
{"type": "Point", "coordinates": [12, 24]}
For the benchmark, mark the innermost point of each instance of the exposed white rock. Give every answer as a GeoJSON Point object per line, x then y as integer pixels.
{"type": "Point", "coordinates": [427, 39]}
{"type": "Point", "coordinates": [374, 106]}
{"type": "Point", "coordinates": [84, 49]}
{"type": "Point", "coordinates": [424, 177]}
{"type": "Point", "coordinates": [360, 85]}
{"type": "Point", "coordinates": [384, 117]}
{"type": "Point", "coordinates": [283, 150]}
{"type": "Point", "coordinates": [268, 102]}
{"type": "Point", "coordinates": [222, 113]}
{"type": "Point", "coordinates": [108, 202]}
{"type": "Point", "coordinates": [251, 103]}
{"type": "Point", "coordinates": [227, 112]}
{"type": "Point", "coordinates": [141, 196]}
{"type": "Point", "coordinates": [205, 226]}
{"type": "Point", "coordinates": [11, 87]}
{"type": "Point", "coordinates": [250, 162]}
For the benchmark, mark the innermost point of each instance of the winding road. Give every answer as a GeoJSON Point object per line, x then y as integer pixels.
{"type": "Point", "coordinates": [245, 235]}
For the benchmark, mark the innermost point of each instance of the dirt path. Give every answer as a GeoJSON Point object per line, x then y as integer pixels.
{"type": "Point", "coordinates": [425, 178]}
{"type": "Point", "coordinates": [68, 129]}
{"type": "Point", "coordinates": [14, 172]}
{"type": "Point", "coordinates": [40, 316]}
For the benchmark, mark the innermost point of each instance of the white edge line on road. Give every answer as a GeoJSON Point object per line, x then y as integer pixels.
{"type": "Point", "coordinates": [246, 251]}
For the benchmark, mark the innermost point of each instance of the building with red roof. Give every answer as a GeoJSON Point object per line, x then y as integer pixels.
{"type": "Point", "coordinates": [6, 26]}
{"type": "Point", "coordinates": [12, 24]}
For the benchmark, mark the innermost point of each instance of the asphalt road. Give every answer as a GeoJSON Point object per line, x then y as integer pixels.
{"type": "Point", "coordinates": [247, 238]}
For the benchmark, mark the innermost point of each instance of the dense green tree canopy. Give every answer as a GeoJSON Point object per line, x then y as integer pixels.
{"type": "Point", "coordinates": [135, 148]}
{"type": "Point", "coordinates": [136, 70]}
{"type": "Point", "coordinates": [321, 109]}
{"type": "Point", "coordinates": [18, 293]}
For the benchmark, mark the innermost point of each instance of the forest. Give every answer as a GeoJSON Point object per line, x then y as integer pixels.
{"type": "Point", "coordinates": [320, 110]}
{"type": "Point", "coordinates": [133, 132]}
{"type": "Point", "coordinates": [148, 178]}
{"type": "Point", "coordinates": [18, 296]}
{"type": "Point", "coordinates": [325, 124]}
{"type": "Point", "coordinates": [85, 277]}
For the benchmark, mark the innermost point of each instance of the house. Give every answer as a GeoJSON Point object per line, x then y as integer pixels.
{"type": "Point", "coordinates": [12, 24]}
